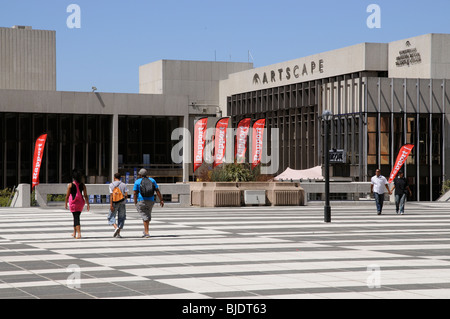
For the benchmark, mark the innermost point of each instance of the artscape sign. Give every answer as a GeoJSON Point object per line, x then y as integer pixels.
{"type": "Point", "coordinates": [296, 71]}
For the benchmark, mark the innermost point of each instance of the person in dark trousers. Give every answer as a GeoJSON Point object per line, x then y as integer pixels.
{"type": "Point", "coordinates": [401, 188]}
{"type": "Point", "coordinates": [144, 203]}
{"type": "Point", "coordinates": [74, 197]}
{"type": "Point", "coordinates": [378, 183]}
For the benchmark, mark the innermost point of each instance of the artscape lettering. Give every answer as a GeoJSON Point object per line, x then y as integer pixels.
{"type": "Point", "coordinates": [288, 73]}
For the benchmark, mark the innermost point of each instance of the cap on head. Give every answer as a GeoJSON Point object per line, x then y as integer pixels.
{"type": "Point", "coordinates": [143, 172]}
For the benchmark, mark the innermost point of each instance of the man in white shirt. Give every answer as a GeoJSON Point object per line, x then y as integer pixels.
{"type": "Point", "coordinates": [379, 182]}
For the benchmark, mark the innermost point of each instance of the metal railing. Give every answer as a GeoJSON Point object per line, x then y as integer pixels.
{"type": "Point", "coordinates": [181, 192]}
{"type": "Point", "coordinates": [352, 191]}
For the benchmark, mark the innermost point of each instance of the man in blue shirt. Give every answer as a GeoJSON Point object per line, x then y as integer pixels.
{"type": "Point", "coordinates": [144, 205]}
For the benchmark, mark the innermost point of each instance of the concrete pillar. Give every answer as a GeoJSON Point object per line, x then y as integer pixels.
{"type": "Point", "coordinates": [114, 145]}
{"type": "Point", "coordinates": [22, 196]}
{"type": "Point", "coordinates": [186, 149]}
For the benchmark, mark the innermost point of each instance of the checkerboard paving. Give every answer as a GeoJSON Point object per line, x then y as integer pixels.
{"type": "Point", "coordinates": [248, 252]}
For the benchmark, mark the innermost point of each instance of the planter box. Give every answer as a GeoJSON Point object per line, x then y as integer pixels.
{"type": "Point", "coordinates": [255, 197]}
{"type": "Point", "coordinates": [215, 195]}
{"type": "Point", "coordinates": [221, 194]}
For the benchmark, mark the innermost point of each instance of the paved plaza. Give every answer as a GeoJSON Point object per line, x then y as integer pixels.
{"type": "Point", "coordinates": [249, 252]}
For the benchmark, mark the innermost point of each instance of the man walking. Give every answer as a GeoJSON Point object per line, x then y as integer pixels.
{"type": "Point", "coordinates": [144, 198]}
{"type": "Point", "coordinates": [379, 182]}
{"type": "Point", "coordinates": [118, 199]}
{"type": "Point", "coordinates": [401, 188]}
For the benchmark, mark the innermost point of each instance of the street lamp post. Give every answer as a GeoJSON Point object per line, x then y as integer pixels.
{"type": "Point", "coordinates": [327, 116]}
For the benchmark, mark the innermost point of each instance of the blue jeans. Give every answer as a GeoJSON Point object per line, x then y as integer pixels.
{"type": "Point", "coordinates": [119, 208]}
{"type": "Point", "coordinates": [400, 203]}
{"type": "Point", "coordinates": [379, 200]}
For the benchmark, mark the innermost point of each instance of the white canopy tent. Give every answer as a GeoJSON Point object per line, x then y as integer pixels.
{"type": "Point", "coordinates": [314, 173]}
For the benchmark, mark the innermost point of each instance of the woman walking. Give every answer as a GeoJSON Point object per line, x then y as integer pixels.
{"type": "Point", "coordinates": [76, 201]}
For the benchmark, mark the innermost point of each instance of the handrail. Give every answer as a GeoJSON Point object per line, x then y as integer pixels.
{"type": "Point", "coordinates": [180, 189]}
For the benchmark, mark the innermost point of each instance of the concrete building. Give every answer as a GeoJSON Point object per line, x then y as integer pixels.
{"type": "Point", "coordinates": [100, 133]}
{"type": "Point", "coordinates": [382, 95]}
{"type": "Point", "coordinates": [27, 59]}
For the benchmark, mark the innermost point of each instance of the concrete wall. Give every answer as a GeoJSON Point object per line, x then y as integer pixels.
{"type": "Point", "coordinates": [356, 58]}
{"type": "Point", "coordinates": [422, 57]}
{"type": "Point", "coordinates": [440, 63]}
{"type": "Point", "coordinates": [199, 80]}
{"type": "Point", "coordinates": [27, 59]}
{"type": "Point", "coordinates": [182, 191]}
{"type": "Point", "coordinates": [92, 103]}
{"type": "Point", "coordinates": [151, 78]}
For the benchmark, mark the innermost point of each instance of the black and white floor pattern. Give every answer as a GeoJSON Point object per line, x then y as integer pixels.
{"type": "Point", "coordinates": [249, 252]}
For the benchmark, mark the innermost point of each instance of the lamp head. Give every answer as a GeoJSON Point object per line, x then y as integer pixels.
{"type": "Point", "coordinates": [327, 115]}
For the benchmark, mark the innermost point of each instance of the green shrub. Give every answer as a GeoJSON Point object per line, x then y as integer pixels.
{"type": "Point", "coordinates": [233, 173]}
{"type": "Point", "coordinates": [6, 195]}
{"type": "Point", "coordinates": [56, 198]}
{"type": "Point", "coordinates": [445, 186]}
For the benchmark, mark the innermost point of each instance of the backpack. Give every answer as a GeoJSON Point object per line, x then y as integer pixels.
{"type": "Point", "coordinates": [147, 188]}
{"type": "Point", "coordinates": [117, 194]}
{"type": "Point", "coordinates": [76, 200]}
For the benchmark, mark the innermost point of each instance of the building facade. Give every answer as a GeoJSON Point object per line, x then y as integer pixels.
{"type": "Point", "coordinates": [100, 133]}
{"type": "Point", "coordinates": [382, 96]}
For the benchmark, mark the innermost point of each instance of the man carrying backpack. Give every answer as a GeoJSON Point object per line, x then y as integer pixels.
{"type": "Point", "coordinates": [144, 198]}
{"type": "Point", "coordinates": [118, 199]}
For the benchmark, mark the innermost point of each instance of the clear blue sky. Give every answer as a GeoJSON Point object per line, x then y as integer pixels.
{"type": "Point", "coordinates": [117, 36]}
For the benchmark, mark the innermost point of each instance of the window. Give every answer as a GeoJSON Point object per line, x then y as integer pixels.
{"type": "Point", "coordinates": [372, 140]}
{"type": "Point", "coordinates": [385, 122]}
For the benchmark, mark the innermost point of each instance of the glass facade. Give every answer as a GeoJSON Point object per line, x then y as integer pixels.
{"type": "Point", "coordinates": [84, 141]}
{"type": "Point", "coordinates": [73, 141]}
{"type": "Point", "coordinates": [145, 141]}
{"type": "Point", "coordinates": [364, 124]}
{"type": "Point", "coordinates": [293, 110]}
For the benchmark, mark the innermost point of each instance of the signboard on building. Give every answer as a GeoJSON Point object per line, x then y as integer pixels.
{"type": "Point", "coordinates": [338, 156]}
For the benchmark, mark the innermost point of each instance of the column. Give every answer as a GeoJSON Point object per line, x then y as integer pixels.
{"type": "Point", "coordinates": [114, 145]}
{"type": "Point", "coordinates": [186, 149]}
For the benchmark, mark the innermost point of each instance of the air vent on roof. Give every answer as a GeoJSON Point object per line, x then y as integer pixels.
{"type": "Point", "coordinates": [22, 27]}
